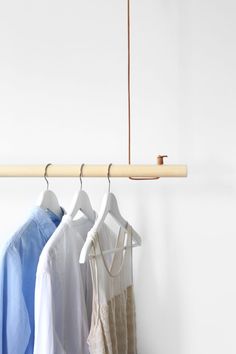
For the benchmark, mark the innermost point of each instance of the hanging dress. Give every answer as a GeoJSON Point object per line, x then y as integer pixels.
{"type": "Point", "coordinates": [113, 328]}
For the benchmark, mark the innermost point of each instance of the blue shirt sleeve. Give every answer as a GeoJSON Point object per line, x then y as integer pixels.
{"type": "Point", "coordinates": [14, 319]}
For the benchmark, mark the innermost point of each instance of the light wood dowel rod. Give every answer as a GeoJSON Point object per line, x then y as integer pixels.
{"type": "Point", "coordinates": [94, 170]}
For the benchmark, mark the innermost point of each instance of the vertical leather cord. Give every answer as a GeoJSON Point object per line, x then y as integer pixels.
{"type": "Point", "coordinates": [129, 93]}
{"type": "Point", "coordinates": [129, 96]}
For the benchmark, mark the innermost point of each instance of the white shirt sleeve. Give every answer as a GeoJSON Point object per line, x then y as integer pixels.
{"type": "Point", "coordinates": [44, 342]}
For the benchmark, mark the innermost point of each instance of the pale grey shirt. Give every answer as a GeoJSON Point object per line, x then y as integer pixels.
{"type": "Point", "coordinates": [63, 293]}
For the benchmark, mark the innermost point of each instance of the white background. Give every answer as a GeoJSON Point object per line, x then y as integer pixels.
{"type": "Point", "coordinates": [63, 100]}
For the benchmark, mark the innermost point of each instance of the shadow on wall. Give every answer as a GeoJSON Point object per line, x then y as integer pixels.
{"type": "Point", "coordinates": [170, 286]}
{"type": "Point", "coordinates": [156, 264]}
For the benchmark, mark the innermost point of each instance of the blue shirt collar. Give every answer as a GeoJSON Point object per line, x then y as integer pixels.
{"type": "Point", "coordinates": [55, 218]}
{"type": "Point", "coordinates": [46, 219]}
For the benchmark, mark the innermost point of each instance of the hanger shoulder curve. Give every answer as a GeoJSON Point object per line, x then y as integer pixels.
{"type": "Point", "coordinates": [109, 205]}
{"type": "Point", "coordinates": [81, 202]}
{"type": "Point", "coordinates": [48, 200]}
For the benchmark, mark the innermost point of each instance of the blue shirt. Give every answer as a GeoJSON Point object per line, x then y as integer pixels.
{"type": "Point", "coordinates": [18, 266]}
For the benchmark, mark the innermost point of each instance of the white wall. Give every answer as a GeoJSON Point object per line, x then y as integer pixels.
{"type": "Point", "coordinates": [63, 100]}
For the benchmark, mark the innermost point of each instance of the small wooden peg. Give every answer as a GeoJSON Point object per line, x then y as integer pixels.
{"type": "Point", "coordinates": [160, 160]}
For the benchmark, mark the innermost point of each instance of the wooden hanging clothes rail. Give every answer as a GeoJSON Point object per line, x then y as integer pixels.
{"type": "Point", "coordinates": [94, 170]}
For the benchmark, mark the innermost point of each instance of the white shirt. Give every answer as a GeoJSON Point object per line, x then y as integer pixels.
{"type": "Point", "coordinates": [63, 292]}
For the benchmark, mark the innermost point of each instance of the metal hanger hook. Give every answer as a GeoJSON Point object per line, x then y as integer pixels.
{"type": "Point", "coordinates": [81, 174]}
{"type": "Point", "coordinates": [108, 177]}
{"type": "Point", "coordinates": [45, 174]}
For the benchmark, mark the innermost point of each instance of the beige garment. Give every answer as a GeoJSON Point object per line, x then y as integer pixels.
{"type": "Point", "coordinates": [113, 329]}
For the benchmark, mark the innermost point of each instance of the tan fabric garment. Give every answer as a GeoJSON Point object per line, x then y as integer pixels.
{"type": "Point", "coordinates": [113, 329]}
